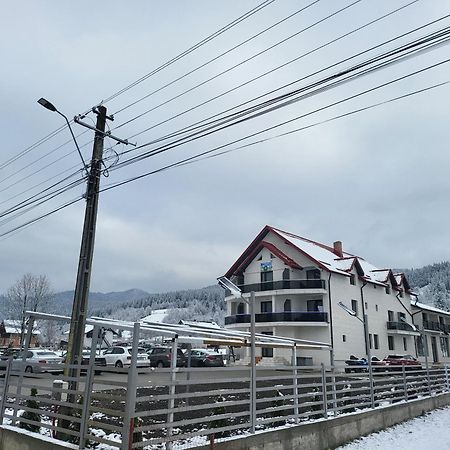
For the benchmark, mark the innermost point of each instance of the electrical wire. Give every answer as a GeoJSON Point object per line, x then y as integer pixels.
{"type": "Point", "coordinates": [279, 67]}
{"type": "Point", "coordinates": [397, 56]}
{"type": "Point", "coordinates": [246, 41]}
{"type": "Point", "coordinates": [229, 69]}
{"type": "Point", "coordinates": [199, 44]}
{"type": "Point", "coordinates": [201, 156]}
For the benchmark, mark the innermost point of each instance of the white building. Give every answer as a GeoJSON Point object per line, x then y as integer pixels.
{"type": "Point", "coordinates": [298, 284]}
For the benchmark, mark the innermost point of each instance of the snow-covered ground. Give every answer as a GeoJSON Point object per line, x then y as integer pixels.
{"type": "Point", "coordinates": [429, 431]}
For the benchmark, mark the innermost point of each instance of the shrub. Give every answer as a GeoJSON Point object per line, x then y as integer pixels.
{"type": "Point", "coordinates": [31, 415]}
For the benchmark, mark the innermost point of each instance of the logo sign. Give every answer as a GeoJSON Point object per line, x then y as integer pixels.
{"type": "Point", "coordinates": [266, 266]}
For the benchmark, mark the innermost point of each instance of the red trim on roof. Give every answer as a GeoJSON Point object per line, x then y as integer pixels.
{"type": "Point", "coordinates": [288, 261]}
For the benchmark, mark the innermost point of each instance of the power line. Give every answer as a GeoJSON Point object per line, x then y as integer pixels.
{"type": "Point", "coordinates": [198, 156]}
{"type": "Point", "coordinates": [201, 156]}
{"type": "Point", "coordinates": [254, 36]}
{"type": "Point", "coordinates": [277, 68]}
{"type": "Point", "coordinates": [229, 69]}
{"type": "Point", "coordinates": [412, 47]}
{"type": "Point", "coordinates": [199, 44]}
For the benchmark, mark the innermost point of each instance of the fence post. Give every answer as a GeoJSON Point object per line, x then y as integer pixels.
{"type": "Point", "coordinates": [88, 387]}
{"type": "Point", "coordinates": [130, 402]}
{"type": "Point", "coordinates": [5, 388]}
{"type": "Point", "coordinates": [405, 387]}
{"type": "Point", "coordinates": [324, 391]}
{"type": "Point", "coordinates": [295, 381]}
{"type": "Point", "coordinates": [23, 367]}
{"type": "Point", "coordinates": [447, 381]}
{"type": "Point", "coordinates": [173, 378]}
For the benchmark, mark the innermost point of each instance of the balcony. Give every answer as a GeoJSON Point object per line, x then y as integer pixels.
{"type": "Point", "coordinates": [433, 326]}
{"type": "Point", "coordinates": [401, 328]}
{"type": "Point", "coordinates": [292, 316]}
{"type": "Point", "coordinates": [278, 285]}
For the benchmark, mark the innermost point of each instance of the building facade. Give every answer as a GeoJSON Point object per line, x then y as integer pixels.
{"type": "Point", "coordinates": [299, 284]}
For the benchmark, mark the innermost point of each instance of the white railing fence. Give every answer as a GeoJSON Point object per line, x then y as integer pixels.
{"type": "Point", "coordinates": [183, 407]}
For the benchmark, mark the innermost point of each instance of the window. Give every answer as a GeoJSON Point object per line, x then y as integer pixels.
{"type": "Point", "coordinates": [344, 338]}
{"type": "Point", "coordinates": [401, 317]}
{"type": "Point", "coordinates": [287, 305]}
{"type": "Point", "coordinates": [444, 346]}
{"type": "Point", "coordinates": [401, 294]}
{"type": "Point", "coordinates": [313, 274]}
{"type": "Point", "coordinates": [267, 352]}
{"type": "Point", "coordinates": [266, 307]}
{"type": "Point", "coordinates": [405, 344]}
{"type": "Point", "coordinates": [388, 289]}
{"type": "Point", "coordinates": [374, 286]}
{"type": "Point", "coordinates": [266, 276]}
{"type": "Point", "coordinates": [390, 316]}
{"type": "Point", "coordinates": [286, 274]}
{"type": "Point", "coordinates": [420, 346]}
{"type": "Point", "coordinates": [370, 341]}
{"type": "Point", "coordinates": [376, 308]}
{"type": "Point", "coordinates": [352, 279]}
{"type": "Point", "coordinates": [241, 308]}
{"type": "Point", "coordinates": [314, 306]}
{"type": "Point", "coordinates": [260, 258]}
{"type": "Point", "coordinates": [271, 256]}
{"type": "Point", "coordinates": [366, 306]}
{"type": "Point", "coordinates": [391, 343]}
{"type": "Point", "coordinates": [376, 341]}
{"type": "Point", "coordinates": [355, 306]}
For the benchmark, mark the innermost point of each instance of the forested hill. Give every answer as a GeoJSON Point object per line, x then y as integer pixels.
{"type": "Point", "coordinates": [432, 283]}
{"type": "Point", "coordinates": [194, 304]}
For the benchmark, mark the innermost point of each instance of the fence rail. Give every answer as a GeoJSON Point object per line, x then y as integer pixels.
{"type": "Point", "coordinates": [188, 406]}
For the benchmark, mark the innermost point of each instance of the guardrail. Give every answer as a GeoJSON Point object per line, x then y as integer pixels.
{"type": "Point", "coordinates": [148, 407]}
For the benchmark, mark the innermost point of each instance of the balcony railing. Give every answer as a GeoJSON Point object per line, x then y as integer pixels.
{"type": "Point", "coordinates": [434, 326]}
{"type": "Point", "coordinates": [293, 316]}
{"type": "Point", "coordinates": [281, 284]}
{"type": "Point", "coordinates": [399, 326]}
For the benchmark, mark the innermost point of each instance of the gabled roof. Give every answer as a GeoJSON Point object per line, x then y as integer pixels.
{"type": "Point", "coordinates": [323, 255]}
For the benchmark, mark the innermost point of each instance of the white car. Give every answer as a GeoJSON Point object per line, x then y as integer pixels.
{"type": "Point", "coordinates": [38, 361]}
{"type": "Point", "coordinates": [121, 357]}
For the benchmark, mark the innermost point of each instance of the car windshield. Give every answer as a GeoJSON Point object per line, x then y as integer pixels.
{"type": "Point", "coordinates": [46, 354]}
{"type": "Point", "coordinates": [140, 350]}
{"type": "Point", "coordinates": [395, 357]}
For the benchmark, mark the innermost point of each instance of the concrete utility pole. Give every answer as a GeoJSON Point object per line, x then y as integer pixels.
{"type": "Point", "coordinates": [80, 303]}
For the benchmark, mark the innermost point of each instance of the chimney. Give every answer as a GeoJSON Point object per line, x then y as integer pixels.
{"type": "Point", "coordinates": [338, 248]}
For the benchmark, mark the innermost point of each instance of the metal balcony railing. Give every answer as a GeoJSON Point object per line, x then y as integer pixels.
{"type": "Point", "coordinates": [278, 285]}
{"type": "Point", "coordinates": [399, 326]}
{"type": "Point", "coordinates": [292, 316]}
{"type": "Point", "coordinates": [434, 326]}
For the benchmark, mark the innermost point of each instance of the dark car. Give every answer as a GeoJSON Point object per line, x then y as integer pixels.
{"type": "Point", "coordinates": [356, 364]}
{"type": "Point", "coordinates": [161, 357]}
{"type": "Point", "coordinates": [99, 361]}
{"type": "Point", "coordinates": [397, 361]}
{"type": "Point", "coordinates": [206, 358]}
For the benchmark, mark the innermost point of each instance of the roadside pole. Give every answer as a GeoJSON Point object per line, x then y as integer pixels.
{"type": "Point", "coordinates": [253, 363]}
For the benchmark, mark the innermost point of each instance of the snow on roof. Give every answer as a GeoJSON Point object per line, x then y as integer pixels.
{"type": "Point", "coordinates": [15, 326]}
{"type": "Point", "coordinates": [198, 323]}
{"type": "Point", "coordinates": [318, 252]}
{"type": "Point", "coordinates": [429, 308]}
{"type": "Point", "coordinates": [326, 256]}
{"type": "Point", "coordinates": [157, 315]}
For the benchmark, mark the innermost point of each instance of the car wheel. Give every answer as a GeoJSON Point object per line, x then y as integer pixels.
{"type": "Point", "coordinates": [160, 364]}
{"type": "Point", "coordinates": [118, 364]}
{"type": "Point", "coordinates": [28, 369]}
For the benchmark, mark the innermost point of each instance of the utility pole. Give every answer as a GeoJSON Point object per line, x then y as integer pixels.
{"type": "Point", "coordinates": [80, 303]}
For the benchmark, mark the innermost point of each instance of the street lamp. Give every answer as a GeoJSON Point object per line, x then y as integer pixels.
{"type": "Point", "coordinates": [51, 107]}
{"type": "Point", "coordinates": [365, 322]}
{"type": "Point", "coordinates": [236, 292]}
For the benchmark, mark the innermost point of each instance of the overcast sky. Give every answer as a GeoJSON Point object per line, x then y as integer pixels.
{"type": "Point", "coordinates": [378, 180]}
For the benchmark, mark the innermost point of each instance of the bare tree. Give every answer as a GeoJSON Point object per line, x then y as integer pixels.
{"type": "Point", "coordinates": [31, 292]}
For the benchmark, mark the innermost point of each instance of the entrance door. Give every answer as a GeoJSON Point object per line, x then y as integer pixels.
{"type": "Point", "coordinates": [434, 349]}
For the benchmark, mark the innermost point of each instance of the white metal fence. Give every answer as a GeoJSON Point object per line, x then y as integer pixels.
{"type": "Point", "coordinates": [180, 408]}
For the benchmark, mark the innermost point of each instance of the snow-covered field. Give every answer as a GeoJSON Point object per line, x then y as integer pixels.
{"type": "Point", "coordinates": [429, 431]}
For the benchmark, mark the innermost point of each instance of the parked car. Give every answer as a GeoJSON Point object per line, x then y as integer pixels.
{"type": "Point", "coordinates": [356, 364]}
{"type": "Point", "coordinates": [161, 357]}
{"type": "Point", "coordinates": [99, 361]}
{"type": "Point", "coordinates": [119, 357]}
{"type": "Point", "coordinates": [206, 358]}
{"type": "Point", "coordinates": [36, 361]}
{"type": "Point", "coordinates": [396, 361]}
